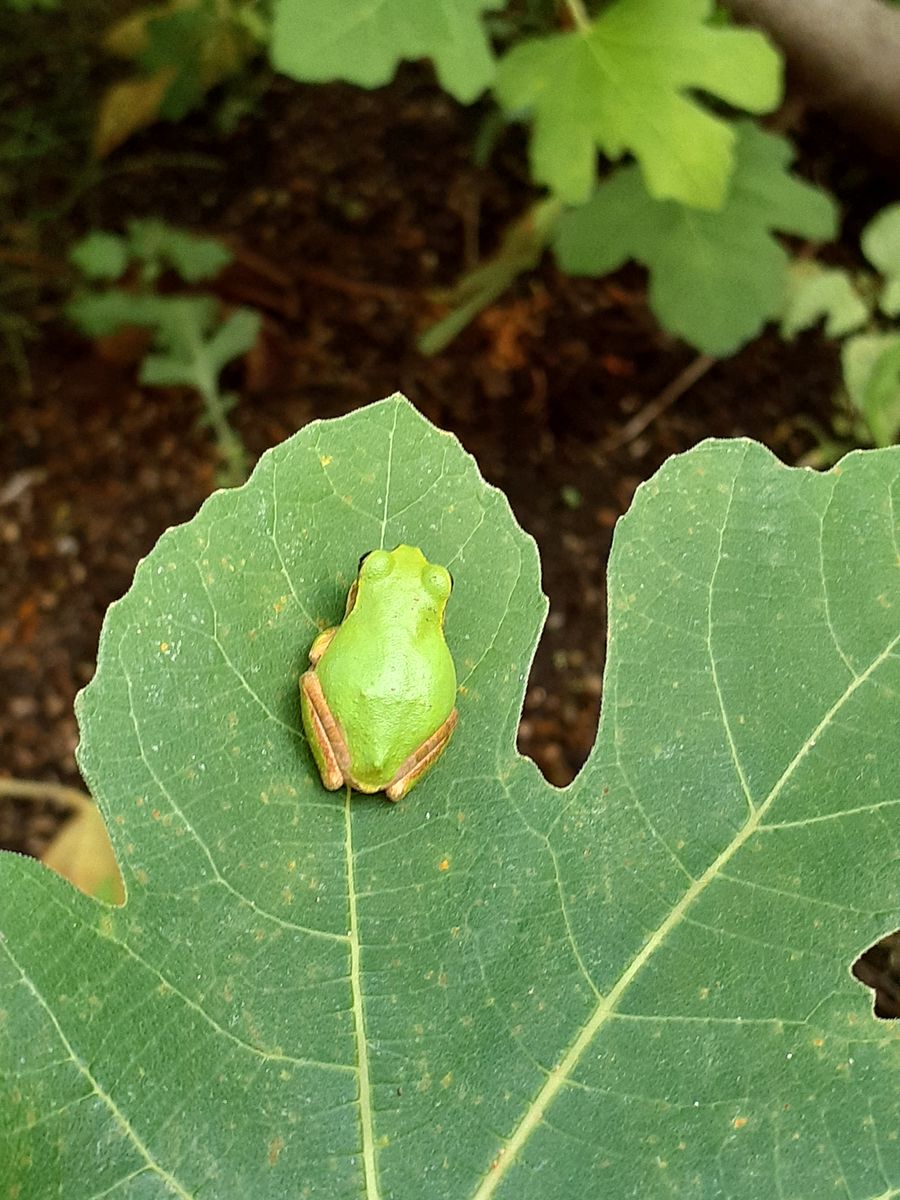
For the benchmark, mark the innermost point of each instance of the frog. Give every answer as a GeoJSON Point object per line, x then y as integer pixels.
{"type": "Point", "coordinates": [378, 701]}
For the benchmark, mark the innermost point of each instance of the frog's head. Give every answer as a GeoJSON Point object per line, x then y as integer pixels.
{"type": "Point", "coordinates": [404, 574]}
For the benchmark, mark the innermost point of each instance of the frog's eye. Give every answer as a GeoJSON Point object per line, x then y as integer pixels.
{"type": "Point", "coordinates": [437, 582]}
{"type": "Point", "coordinates": [377, 564]}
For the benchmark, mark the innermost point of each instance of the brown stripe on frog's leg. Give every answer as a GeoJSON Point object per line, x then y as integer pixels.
{"type": "Point", "coordinates": [421, 760]}
{"type": "Point", "coordinates": [325, 738]}
{"type": "Point", "coordinates": [321, 644]}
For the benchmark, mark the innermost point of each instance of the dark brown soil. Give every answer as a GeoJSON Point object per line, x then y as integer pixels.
{"type": "Point", "coordinates": [345, 210]}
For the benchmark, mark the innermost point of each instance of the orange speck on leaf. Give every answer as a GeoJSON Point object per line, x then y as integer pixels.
{"type": "Point", "coordinates": [444, 864]}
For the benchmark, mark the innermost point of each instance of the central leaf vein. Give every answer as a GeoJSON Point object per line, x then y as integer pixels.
{"type": "Point", "coordinates": [359, 1018]}
{"type": "Point", "coordinates": [387, 481]}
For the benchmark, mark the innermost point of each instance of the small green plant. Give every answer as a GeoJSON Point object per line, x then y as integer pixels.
{"type": "Point", "coordinates": [716, 276]}
{"type": "Point", "coordinates": [192, 339]}
{"type": "Point", "coordinates": [862, 310]}
{"type": "Point", "coordinates": [661, 81]}
{"type": "Point", "coordinates": [701, 202]}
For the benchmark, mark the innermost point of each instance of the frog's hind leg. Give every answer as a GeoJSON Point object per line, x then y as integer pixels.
{"type": "Point", "coordinates": [325, 738]}
{"type": "Point", "coordinates": [421, 760]}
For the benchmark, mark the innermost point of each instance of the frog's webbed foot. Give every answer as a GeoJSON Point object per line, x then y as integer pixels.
{"type": "Point", "coordinates": [321, 644]}
{"type": "Point", "coordinates": [327, 742]}
{"type": "Point", "coordinates": [421, 760]}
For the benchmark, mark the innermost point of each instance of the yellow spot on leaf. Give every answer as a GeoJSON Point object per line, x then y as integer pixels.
{"type": "Point", "coordinates": [275, 1148]}
{"type": "Point", "coordinates": [738, 1122]}
{"type": "Point", "coordinates": [325, 460]}
{"type": "Point", "coordinates": [444, 864]}
{"type": "Point", "coordinates": [164, 646]}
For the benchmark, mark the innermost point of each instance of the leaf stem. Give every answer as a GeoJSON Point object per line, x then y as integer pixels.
{"type": "Point", "coordinates": [579, 15]}
{"type": "Point", "coordinates": [233, 471]}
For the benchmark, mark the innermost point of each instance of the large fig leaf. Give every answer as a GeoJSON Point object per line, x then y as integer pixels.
{"type": "Point", "coordinates": [636, 986]}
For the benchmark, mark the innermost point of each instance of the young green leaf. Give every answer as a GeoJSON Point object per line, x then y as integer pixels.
{"type": "Point", "coordinates": [881, 245]}
{"type": "Point", "coordinates": [715, 277]}
{"type": "Point", "coordinates": [159, 244]}
{"type": "Point", "coordinates": [98, 314]}
{"type": "Point", "coordinates": [362, 41]}
{"type": "Point", "coordinates": [871, 364]}
{"type": "Point", "coordinates": [626, 84]}
{"type": "Point", "coordinates": [100, 255]}
{"type": "Point", "coordinates": [235, 336]}
{"type": "Point", "coordinates": [493, 990]}
{"type": "Point", "coordinates": [814, 292]}
{"type": "Point", "coordinates": [192, 350]}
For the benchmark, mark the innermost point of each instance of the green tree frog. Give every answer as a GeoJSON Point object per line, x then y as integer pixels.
{"type": "Point", "coordinates": [379, 699]}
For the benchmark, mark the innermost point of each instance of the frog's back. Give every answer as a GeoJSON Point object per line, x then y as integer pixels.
{"type": "Point", "coordinates": [395, 695]}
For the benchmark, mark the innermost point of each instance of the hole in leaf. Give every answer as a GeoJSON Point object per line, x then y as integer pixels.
{"type": "Point", "coordinates": [879, 969]}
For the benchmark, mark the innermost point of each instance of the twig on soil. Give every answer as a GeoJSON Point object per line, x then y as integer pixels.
{"type": "Point", "coordinates": [352, 287]}
{"type": "Point", "coordinates": [682, 383]}
{"type": "Point", "coordinates": [259, 264]}
{"type": "Point", "coordinates": [35, 789]}
{"type": "Point", "coordinates": [19, 483]}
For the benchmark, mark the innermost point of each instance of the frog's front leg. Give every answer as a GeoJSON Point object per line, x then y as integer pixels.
{"type": "Point", "coordinates": [321, 644]}
{"type": "Point", "coordinates": [327, 742]}
{"type": "Point", "coordinates": [421, 760]}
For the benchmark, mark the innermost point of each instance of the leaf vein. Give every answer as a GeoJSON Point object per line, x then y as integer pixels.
{"type": "Point", "coordinates": [562, 1072]}
{"type": "Point", "coordinates": [359, 1019]}
{"type": "Point", "coordinates": [118, 1116]}
{"type": "Point", "coordinates": [219, 877]}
